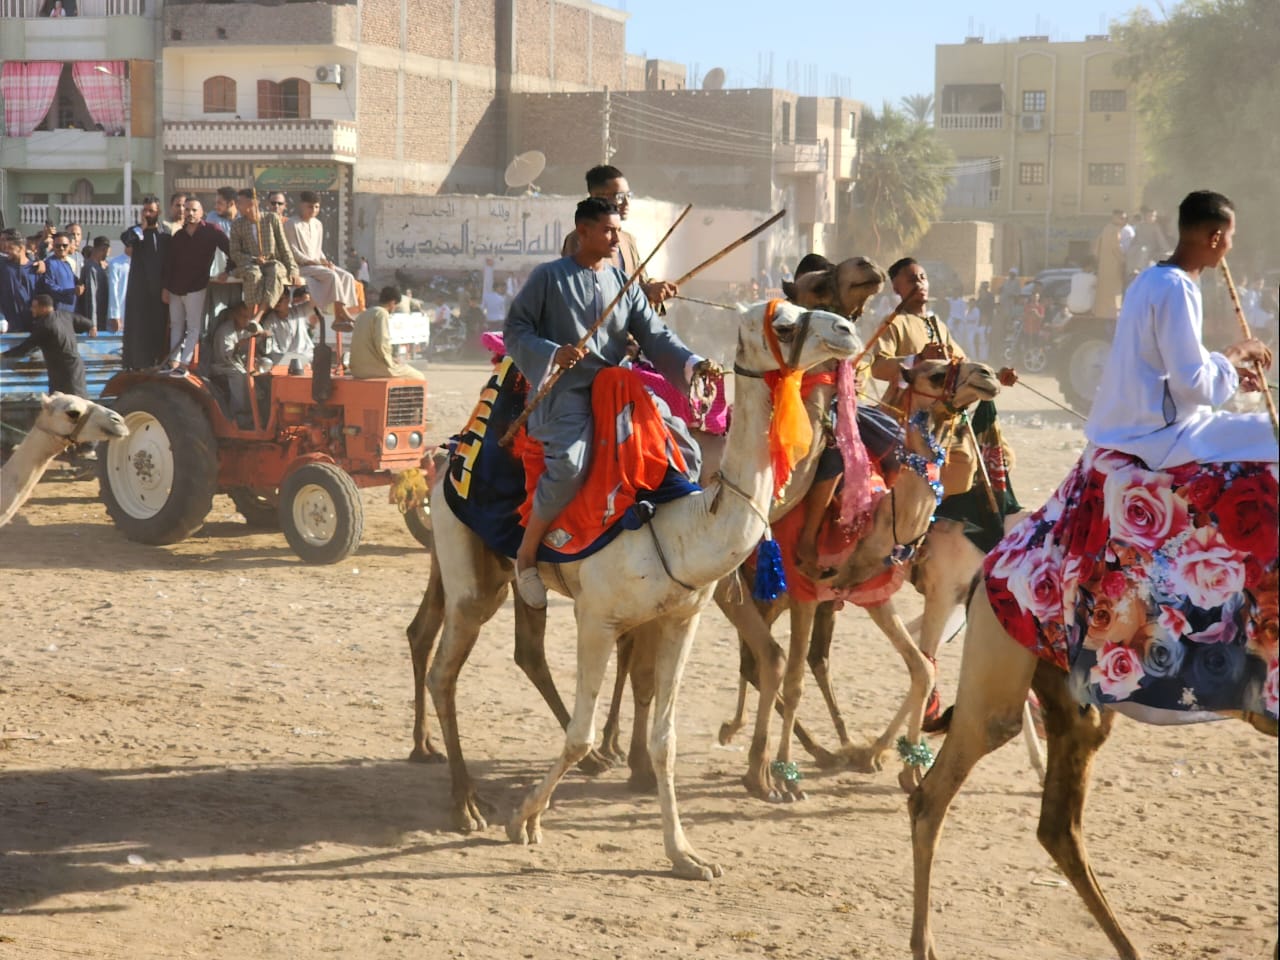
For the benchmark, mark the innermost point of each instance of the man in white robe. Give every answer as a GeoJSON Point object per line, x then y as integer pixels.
{"type": "Point", "coordinates": [1161, 385]}
{"type": "Point", "coordinates": [326, 282]}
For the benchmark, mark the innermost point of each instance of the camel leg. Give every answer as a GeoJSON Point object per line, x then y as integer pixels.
{"type": "Point", "coordinates": [911, 710]}
{"type": "Point", "coordinates": [995, 675]}
{"type": "Point", "coordinates": [673, 641]}
{"type": "Point", "coordinates": [610, 742]}
{"type": "Point", "coordinates": [747, 671]}
{"type": "Point", "coordinates": [824, 625]}
{"type": "Point", "coordinates": [595, 644]}
{"type": "Point", "coordinates": [422, 633]}
{"type": "Point", "coordinates": [531, 657]}
{"type": "Point", "coordinates": [754, 632]}
{"type": "Point", "coordinates": [1035, 749]}
{"type": "Point", "coordinates": [802, 615]}
{"type": "Point", "coordinates": [1075, 736]}
{"type": "Point", "coordinates": [642, 779]}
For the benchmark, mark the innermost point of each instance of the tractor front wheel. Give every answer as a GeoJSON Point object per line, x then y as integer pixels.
{"type": "Point", "coordinates": [320, 513]}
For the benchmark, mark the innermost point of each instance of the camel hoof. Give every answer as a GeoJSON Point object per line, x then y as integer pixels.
{"type": "Point", "coordinates": [595, 763]}
{"type": "Point", "coordinates": [524, 832]}
{"type": "Point", "coordinates": [471, 816]}
{"type": "Point", "coordinates": [614, 753]}
{"type": "Point", "coordinates": [693, 867]}
{"type": "Point", "coordinates": [909, 778]}
{"type": "Point", "coordinates": [727, 730]}
{"type": "Point", "coordinates": [427, 754]}
{"type": "Point", "coordinates": [643, 780]}
{"type": "Point", "coordinates": [866, 759]}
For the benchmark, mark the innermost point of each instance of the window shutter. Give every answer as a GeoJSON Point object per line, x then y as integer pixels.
{"type": "Point", "coordinates": [268, 100]}
{"type": "Point", "coordinates": [304, 100]}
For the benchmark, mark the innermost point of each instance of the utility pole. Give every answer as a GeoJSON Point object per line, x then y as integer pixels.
{"type": "Point", "coordinates": [1048, 203]}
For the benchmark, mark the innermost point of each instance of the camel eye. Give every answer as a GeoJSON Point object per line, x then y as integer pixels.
{"type": "Point", "coordinates": [938, 378]}
{"type": "Point", "coordinates": [73, 414]}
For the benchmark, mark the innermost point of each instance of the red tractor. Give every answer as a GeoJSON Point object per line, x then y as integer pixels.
{"type": "Point", "coordinates": [316, 438]}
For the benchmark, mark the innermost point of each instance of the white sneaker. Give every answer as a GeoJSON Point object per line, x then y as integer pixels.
{"type": "Point", "coordinates": [531, 588]}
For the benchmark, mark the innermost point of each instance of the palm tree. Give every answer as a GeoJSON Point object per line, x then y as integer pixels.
{"type": "Point", "coordinates": [919, 106]}
{"type": "Point", "coordinates": [903, 174]}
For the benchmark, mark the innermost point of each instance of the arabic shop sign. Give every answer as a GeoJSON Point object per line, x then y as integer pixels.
{"type": "Point", "coordinates": [465, 231]}
{"type": "Point", "coordinates": [319, 179]}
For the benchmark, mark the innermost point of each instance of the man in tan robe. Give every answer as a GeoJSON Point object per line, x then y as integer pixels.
{"type": "Point", "coordinates": [1111, 268]}
{"type": "Point", "coordinates": [326, 282]}
{"type": "Point", "coordinates": [371, 355]}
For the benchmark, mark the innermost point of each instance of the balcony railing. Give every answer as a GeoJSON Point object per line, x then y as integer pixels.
{"type": "Point", "coordinates": [970, 121]}
{"type": "Point", "coordinates": [330, 139]}
{"type": "Point", "coordinates": [799, 159]}
{"type": "Point", "coordinates": [91, 216]}
{"type": "Point", "coordinates": [30, 9]}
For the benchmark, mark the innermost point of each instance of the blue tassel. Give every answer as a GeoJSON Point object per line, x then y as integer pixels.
{"type": "Point", "coordinates": [771, 578]}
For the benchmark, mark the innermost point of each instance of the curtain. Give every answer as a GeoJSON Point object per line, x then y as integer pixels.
{"type": "Point", "coordinates": [28, 89]}
{"type": "Point", "coordinates": [103, 92]}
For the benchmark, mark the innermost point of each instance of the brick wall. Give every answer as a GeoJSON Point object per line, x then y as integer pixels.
{"type": "Point", "coordinates": [431, 28]}
{"type": "Point", "coordinates": [477, 32]}
{"type": "Point", "coordinates": [533, 37]}
{"type": "Point", "coordinates": [380, 23]}
{"type": "Point", "coordinates": [426, 119]}
{"type": "Point", "coordinates": [571, 44]}
{"type": "Point", "coordinates": [480, 163]}
{"type": "Point", "coordinates": [608, 53]}
{"type": "Point", "coordinates": [566, 127]}
{"type": "Point", "coordinates": [376, 114]}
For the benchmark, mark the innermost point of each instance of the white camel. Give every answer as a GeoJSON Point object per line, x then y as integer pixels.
{"type": "Point", "coordinates": [659, 576]}
{"type": "Point", "coordinates": [64, 420]}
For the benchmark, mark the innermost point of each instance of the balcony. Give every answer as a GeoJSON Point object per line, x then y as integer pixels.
{"type": "Point", "coordinates": [217, 25]}
{"type": "Point", "coordinates": [73, 150]}
{"type": "Point", "coordinates": [101, 30]}
{"type": "Point", "coordinates": [799, 159]}
{"type": "Point", "coordinates": [331, 140]}
{"type": "Point", "coordinates": [970, 121]}
{"type": "Point", "coordinates": [31, 9]}
{"type": "Point", "coordinates": [91, 216]}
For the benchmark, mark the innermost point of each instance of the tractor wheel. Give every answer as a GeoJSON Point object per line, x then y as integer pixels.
{"type": "Point", "coordinates": [258, 511]}
{"type": "Point", "coordinates": [158, 482]}
{"type": "Point", "coordinates": [1035, 356]}
{"type": "Point", "coordinates": [1081, 373]}
{"type": "Point", "coordinates": [320, 513]}
{"type": "Point", "coordinates": [418, 520]}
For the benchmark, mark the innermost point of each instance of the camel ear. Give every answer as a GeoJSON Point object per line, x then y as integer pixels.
{"type": "Point", "coordinates": [46, 401]}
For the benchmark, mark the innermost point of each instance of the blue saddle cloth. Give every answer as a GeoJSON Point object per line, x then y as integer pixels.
{"type": "Point", "coordinates": [484, 482]}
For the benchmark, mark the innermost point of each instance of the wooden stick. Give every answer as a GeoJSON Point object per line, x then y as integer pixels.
{"type": "Point", "coordinates": [1248, 335]}
{"type": "Point", "coordinates": [982, 468]}
{"type": "Point", "coordinates": [880, 332]}
{"type": "Point", "coordinates": [715, 258]}
{"type": "Point", "coordinates": [586, 338]}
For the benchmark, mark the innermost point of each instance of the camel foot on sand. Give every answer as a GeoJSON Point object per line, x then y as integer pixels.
{"type": "Point", "coordinates": [909, 777]}
{"type": "Point", "coordinates": [426, 754]}
{"type": "Point", "coordinates": [472, 813]}
{"type": "Point", "coordinates": [866, 759]}
{"type": "Point", "coordinates": [727, 731]}
{"type": "Point", "coordinates": [690, 866]}
{"type": "Point", "coordinates": [762, 786]}
{"type": "Point", "coordinates": [643, 780]}
{"type": "Point", "coordinates": [595, 763]}
{"type": "Point", "coordinates": [824, 759]}
{"type": "Point", "coordinates": [525, 831]}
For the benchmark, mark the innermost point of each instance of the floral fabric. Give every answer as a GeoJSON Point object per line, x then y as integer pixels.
{"type": "Point", "coordinates": [1154, 588]}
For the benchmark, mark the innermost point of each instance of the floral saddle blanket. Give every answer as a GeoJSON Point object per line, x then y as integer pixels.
{"type": "Point", "coordinates": [634, 464]}
{"type": "Point", "coordinates": [1156, 590]}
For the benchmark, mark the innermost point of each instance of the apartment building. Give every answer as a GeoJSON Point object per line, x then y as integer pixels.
{"type": "Point", "coordinates": [1046, 138]}
{"type": "Point", "coordinates": [79, 99]}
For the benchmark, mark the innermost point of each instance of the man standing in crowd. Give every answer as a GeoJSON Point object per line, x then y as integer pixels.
{"type": "Point", "coordinates": [1111, 267]}
{"type": "Point", "coordinates": [608, 183]}
{"type": "Point", "coordinates": [261, 254]}
{"type": "Point", "coordinates": [186, 278]}
{"type": "Point", "coordinates": [224, 209]}
{"type": "Point", "coordinates": [145, 313]}
{"type": "Point", "coordinates": [53, 333]}
{"type": "Point", "coordinates": [60, 279]}
{"type": "Point", "coordinates": [94, 301]}
{"type": "Point", "coordinates": [76, 233]}
{"type": "Point", "coordinates": [326, 281]}
{"type": "Point", "coordinates": [371, 354]}
{"type": "Point", "coordinates": [117, 284]}
{"type": "Point", "coordinates": [18, 278]}
{"type": "Point", "coordinates": [1149, 242]}
{"type": "Point", "coordinates": [177, 208]}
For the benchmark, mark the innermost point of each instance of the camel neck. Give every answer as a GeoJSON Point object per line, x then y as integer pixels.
{"type": "Point", "coordinates": [24, 469]}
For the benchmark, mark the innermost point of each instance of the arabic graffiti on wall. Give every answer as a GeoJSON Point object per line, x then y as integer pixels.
{"type": "Point", "coordinates": [443, 232]}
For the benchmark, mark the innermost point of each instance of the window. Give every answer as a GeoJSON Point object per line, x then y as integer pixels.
{"type": "Point", "coordinates": [853, 124]}
{"type": "Point", "coordinates": [1034, 101]}
{"type": "Point", "coordinates": [1031, 174]}
{"type": "Point", "coordinates": [287, 100]}
{"type": "Point", "coordinates": [786, 122]}
{"type": "Point", "coordinates": [219, 95]}
{"type": "Point", "coordinates": [1106, 174]}
{"type": "Point", "coordinates": [1106, 101]}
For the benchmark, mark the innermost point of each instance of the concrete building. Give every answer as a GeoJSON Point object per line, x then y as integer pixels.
{"type": "Point", "coordinates": [80, 96]}
{"type": "Point", "coordinates": [361, 101]}
{"type": "Point", "coordinates": [1046, 138]}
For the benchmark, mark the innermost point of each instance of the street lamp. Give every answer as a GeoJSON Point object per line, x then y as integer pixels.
{"type": "Point", "coordinates": [126, 96]}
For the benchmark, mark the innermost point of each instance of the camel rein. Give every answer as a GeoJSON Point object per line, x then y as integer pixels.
{"type": "Point", "coordinates": [68, 439]}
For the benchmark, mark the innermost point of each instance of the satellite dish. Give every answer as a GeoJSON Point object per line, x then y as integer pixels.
{"type": "Point", "coordinates": [525, 168]}
{"type": "Point", "coordinates": [714, 80]}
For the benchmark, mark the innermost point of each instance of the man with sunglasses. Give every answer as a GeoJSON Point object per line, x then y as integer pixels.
{"type": "Point", "coordinates": [59, 280]}
{"type": "Point", "coordinates": [608, 183]}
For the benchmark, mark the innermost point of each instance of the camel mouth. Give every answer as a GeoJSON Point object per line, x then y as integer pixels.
{"type": "Point", "coordinates": [117, 430]}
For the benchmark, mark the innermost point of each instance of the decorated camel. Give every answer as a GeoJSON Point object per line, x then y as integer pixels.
{"type": "Point", "coordinates": [1148, 593]}
{"type": "Point", "coordinates": [669, 567]}
{"type": "Point", "coordinates": [64, 420]}
{"type": "Point", "coordinates": [844, 289]}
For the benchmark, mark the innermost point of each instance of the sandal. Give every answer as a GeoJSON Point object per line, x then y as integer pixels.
{"type": "Point", "coordinates": [531, 588]}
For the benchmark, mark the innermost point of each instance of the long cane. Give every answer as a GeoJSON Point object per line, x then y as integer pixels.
{"type": "Point", "coordinates": [586, 338]}
{"type": "Point", "coordinates": [1257, 366]}
{"type": "Point", "coordinates": [717, 257]}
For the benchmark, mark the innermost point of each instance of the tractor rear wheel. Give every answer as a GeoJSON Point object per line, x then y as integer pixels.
{"type": "Point", "coordinates": [320, 513]}
{"type": "Point", "coordinates": [158, 482]}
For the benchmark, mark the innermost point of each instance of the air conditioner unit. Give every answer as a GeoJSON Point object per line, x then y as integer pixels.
{"type": "Point", "coordinates": [1032, 122]}
{"type": "Point", "coordinates": [329, 73]}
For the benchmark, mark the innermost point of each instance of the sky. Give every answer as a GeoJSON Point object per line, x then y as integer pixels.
{"type": "Point", "coordinates": [870, 50]}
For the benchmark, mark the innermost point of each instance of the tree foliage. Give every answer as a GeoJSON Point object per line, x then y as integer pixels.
{"type": "Point", "coordinates": [903, 174]}
{"type": "Point", "coordinates": [919, 106]}
{"type": "Point", "coordinates": [1207, 80]}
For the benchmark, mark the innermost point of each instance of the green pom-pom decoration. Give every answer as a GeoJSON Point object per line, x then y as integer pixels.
{"type": "Point", "coordinates": [787, 772]}
{"type": "Point", "coordinates": [915, 754]}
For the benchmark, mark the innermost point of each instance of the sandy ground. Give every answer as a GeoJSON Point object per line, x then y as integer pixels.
{"type": "Point", "coordinates": [202, 755]}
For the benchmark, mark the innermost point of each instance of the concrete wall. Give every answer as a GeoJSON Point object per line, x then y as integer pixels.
{"type": "Point", "coordinates": [967, 246]}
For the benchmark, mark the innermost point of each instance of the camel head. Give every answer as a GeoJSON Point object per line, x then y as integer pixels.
{"type": "Point", "coordinates": [953, 383]}
{"type": "Point", "coordinates": [844, 289]}
{"type": "Point", "coordinates": [66, 415]}
{"type": "Point", "coordinates": [803, 338]}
